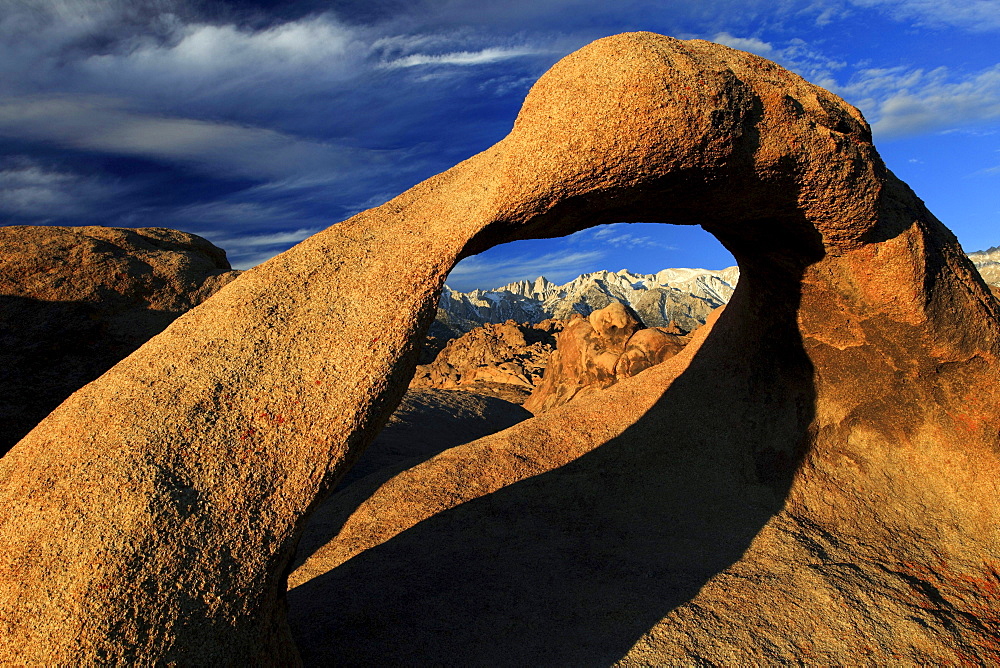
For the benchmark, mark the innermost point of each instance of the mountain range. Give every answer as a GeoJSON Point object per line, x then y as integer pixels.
{"type": "Point", "coordinates": [682, 296]}
{"type": "Point", "coordinates": [988, 264]}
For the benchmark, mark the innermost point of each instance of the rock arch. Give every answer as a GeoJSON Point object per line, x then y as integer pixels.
{"type": "Point", "coordinates": [153, 515]}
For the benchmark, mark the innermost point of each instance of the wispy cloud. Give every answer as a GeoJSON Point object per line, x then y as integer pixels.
{"type": "Point", "coordinates": [901, 101]}
{"type": "Point", "coordinates": [897, 101]}
{"type": "Point", "coordinates": [248, 250]}
{"type": "Point", "coordinates": [256, 241]}
{"type": "Point", "coordinates": [199, 62]}
{"type": "Point", "coordinates": [462, 58]}
{"type": "Point", "coordinates": [618, 236]}
{"type": "Point", "coordinates": [32, 192]}
{"type": "Point", "coordinates": [796, 54]}
{"type": "Point", "coordinates": [975, 15]}
{"type": "Point", "coordinates": [485, 273]}
{"type": "Point", "coordinates": [250, 232]}
{"type": "Point", "coordinates": [751, 44]}
{"type": "Point", "coordinates": [100, 124]}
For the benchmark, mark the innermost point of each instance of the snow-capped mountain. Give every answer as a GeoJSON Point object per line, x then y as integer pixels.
{"type": "Point", "coordinates": [684, 296]}
{"type": "Point", "coordinates": [988, 264]}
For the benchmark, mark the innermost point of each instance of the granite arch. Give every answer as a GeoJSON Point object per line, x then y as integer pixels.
{"type": "Point", "coordinates": [157, 509]}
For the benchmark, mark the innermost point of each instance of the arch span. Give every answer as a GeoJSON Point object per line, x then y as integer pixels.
{"type": "Point", "coordinates": [155, 512]}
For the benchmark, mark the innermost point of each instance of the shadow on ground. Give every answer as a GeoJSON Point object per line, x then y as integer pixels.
{"type": "Point", "coordinates": [571, 567]}
{"type": "Point", "coordinates": [50, 349]}
{"type": "Point", "coordinates": [426, 422]}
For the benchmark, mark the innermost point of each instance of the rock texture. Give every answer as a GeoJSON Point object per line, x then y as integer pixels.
{"type": "Point", "coordinates": [841, 509]}
{"type": "Point", "coordinates": [595, 352]}
{"type": "Point", "coordinates": [506, 360]}
{"type": "Point", "coordinates": [682, 296]}
{"type": "Point", "coordinates": [76, 300]}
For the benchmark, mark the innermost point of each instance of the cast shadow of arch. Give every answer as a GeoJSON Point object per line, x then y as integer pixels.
{"type": "Point", "coordinates": [50, 349]}
{"type": "Point", "coordinates": [573, 566]}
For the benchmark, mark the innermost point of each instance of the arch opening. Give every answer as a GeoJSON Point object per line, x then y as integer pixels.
{"type": "Point", "coordinates": [568, 531]}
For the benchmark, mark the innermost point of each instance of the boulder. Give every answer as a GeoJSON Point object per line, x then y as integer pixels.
{"type": "Point", "coordinates": [647, 347]}
{"type": "Point", "coordinates": [595, 352]}
{"type": "Point", "coordinates": [76, 300]}
{"type": "Point", "coordinates": [506, 360]}
{"type": "Point", "coordinates": [815, 481]}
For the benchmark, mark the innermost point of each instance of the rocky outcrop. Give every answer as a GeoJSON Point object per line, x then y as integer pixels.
{"type": "Point", "coordinates": [682, 296]}
{"type": "Point", "coordinates": [648, 347]}
{"type": "Point", "coordinates": [595, 352]}
{"type": "Point", "coordinates": [76, 300]}
{"type": "Point", "coordinates": [841, 509]}
{"type": "Point", "coordinates": [506, 360]}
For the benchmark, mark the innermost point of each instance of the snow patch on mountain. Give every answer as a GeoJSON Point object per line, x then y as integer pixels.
{"type": "Point", "coordinates": [988, 264]}
{"type": "Point", "coordinates": [683, 296]}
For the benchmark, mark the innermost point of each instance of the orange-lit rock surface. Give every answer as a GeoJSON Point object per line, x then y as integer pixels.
{"type": "Point", "coordinates": [593, 353]}
{"type": "Point", "coordinates": [816, 481]}
{"type": "Point", "coordinates": [505, 360]}
{"type": "Point", "coordinates": [75, 300]}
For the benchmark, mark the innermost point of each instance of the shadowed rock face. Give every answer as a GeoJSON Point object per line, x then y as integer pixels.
{"type": "Point", "coordinates": [154, 514]}
{"type": "Point", "coordinates": [74, 301]}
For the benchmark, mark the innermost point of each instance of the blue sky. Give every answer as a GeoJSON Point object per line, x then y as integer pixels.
{"type": "Point", "coordinates": [256, 124]}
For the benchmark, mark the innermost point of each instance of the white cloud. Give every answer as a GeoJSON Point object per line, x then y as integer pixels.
{"type": "Point", "coordinates": [237, 213]}
{"type": "Point", "coordinates": [796, 54]}
{"type": "Point", "coordinates": [486, 272]}
{"type": "Point", "coordinates": [901, 101]}
{"type": "Point", "coordinates": [618, 236]}
{"type": "Point", "coordinates": [248, 250]}
{"type": "Point", "coordinates": [975, 15]}
{"type": "Point", "coordinates": [255, 241]}
{"type": "Point", "coordinates": [249, 231]}
{"type": "Point", "coordinates": [312, 75]}
{"type": "Point", "coordinates": [203, 59]}
{"type": "Point", "coordinates": [99, 124]}
{"type": "Point", "coordinates": [480, 57]}
{"type": "Point", "coordinates": [751, 44]}
{"type": "Point", "coordinates": [897, 101]}
{"type": "Point", "coordinates": [37, 194]}
{"type": "Point", "coordinates": [41, 39]}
